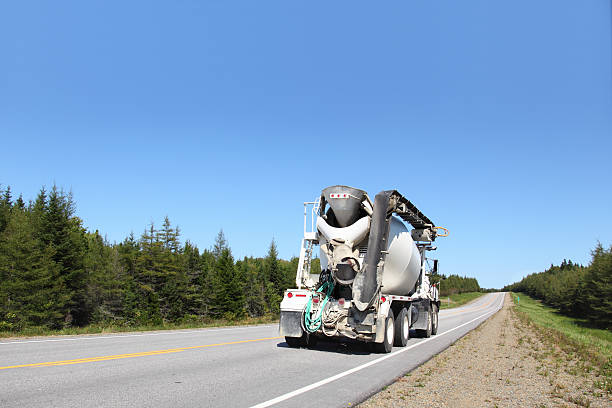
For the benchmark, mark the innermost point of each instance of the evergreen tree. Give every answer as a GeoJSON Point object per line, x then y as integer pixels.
{"type": "Point", "coordinates": [234, 289]}
{"type": "Point", "coordinates": [220, 244]}
{"type": "Point", "coordinates": [253, 288]}
{"type": "Point", "coordinates": [596, 288]}
{"type": "Point", "coordinates": [20, 203]}
{"type": "Point", "coordinates": [192, 268]}
{"type": "Point", "coordinates": [5, 208]}
{"type": "Point", "coordinates": [169, 237]}
{"type": "Point", "coordinates": [30, 294]}
{"type": "Point", "coordinates": [227, 288]}
{"type": "Point", "coordinates": [107, 280]}
{"type": "Point", "coordinates": [64, 236]}
{"type": "Point", "coordinates": [173, 280]}
{"type": "Point", "coordinates": [274, 279]}
{"type": "Point", "coordinates": [209, 285]}
{"type": "Point", "coordinates": [149, 278]}
{"type": "Point", "coordinates": [274, 271]}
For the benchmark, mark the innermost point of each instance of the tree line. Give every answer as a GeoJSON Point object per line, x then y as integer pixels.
{"type": "Point", "coordinates": [454, 284]}
{"type": "Point", "coordinates": [575, 290]}
{"type": "Point", "coordinates": [56, 274]}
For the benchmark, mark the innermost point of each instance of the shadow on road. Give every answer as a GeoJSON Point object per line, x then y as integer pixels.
{"type": "Point", "coordinates": [346, 346]}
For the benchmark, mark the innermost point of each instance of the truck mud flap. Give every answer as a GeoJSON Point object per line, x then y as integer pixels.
{"type": "Point", "coordinates": [290, 324]}
{"type": "Point", "coordinates": [421, 309]}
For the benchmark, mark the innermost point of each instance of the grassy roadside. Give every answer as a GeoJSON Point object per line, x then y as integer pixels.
{"type": "Point", "coordinates": [101, 329]}
{"type": "Point", "coordinates": [593, 347]}
{"type": "Point", "coordinates": [459, 299]}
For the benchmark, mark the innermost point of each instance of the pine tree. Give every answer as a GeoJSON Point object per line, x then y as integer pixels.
{"type": "Point", "coordinates": [223, 274]}
{"type": "Point", "coordinates": [106, 280]}
{"type": "Point", "coordinates": [220, 244]}
{"type": "Point", "coordinates": [5, 208]}
{"type": "Point", "coordinates": [227, 288]}
{"type": "Point", "coordinates": [20, 203]}
{"type": "Point", "coordinates": [149, 278]}
{"type": "Point", "coordinates": [274, 270]}
{"type": "Point", "coordinates": [63, 234]}
{"type": "Point", "coordinates": [173, 280]}
{"type": "Point", "coordinates": [596, 288]}
{"type": "Point", "coordinates": [235, 292]}
{"type": "Point", "coordinates": [253, 288]}
{"type": "Point", "coordinates": [194, 292]}
{"type": "Point", "coordinates": [209, 285]}
{"type": "Point", "coordinates": [29, 292]}
{"type": "Point", "coordinates": [169, 236]}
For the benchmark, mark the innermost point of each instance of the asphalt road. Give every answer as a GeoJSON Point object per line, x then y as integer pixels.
{"type": "Point", "coordinates": [230, 367]}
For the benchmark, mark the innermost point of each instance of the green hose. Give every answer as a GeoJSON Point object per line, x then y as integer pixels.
{"type": "Point", "coordinates": [312, 325]}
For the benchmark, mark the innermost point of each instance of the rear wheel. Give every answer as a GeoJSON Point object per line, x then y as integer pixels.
{"type": "Point", "coordinates": [402, 328]}
{"type": "Point", "coordinates": [295, 342]}
{"type": "Point", "coordinates": [312, 341]}
{"type": "Point", "coordinates": [434, 324]}
{"type": "Point", "coordinates": [387, 345]}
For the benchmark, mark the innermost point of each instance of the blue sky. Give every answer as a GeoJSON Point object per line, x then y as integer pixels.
{"type": "Point", "coordinates": [495, 118]}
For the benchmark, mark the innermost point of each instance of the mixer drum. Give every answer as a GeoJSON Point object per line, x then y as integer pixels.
{"type": "Point", "coordinates": [403, 261]}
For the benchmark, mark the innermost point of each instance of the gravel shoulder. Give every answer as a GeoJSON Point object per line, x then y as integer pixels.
{"type": "Point", "coordinates": [502, 363]}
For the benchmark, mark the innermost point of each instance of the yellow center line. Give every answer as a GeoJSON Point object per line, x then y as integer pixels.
{"type": "Point", "coordinates": [131, 355]}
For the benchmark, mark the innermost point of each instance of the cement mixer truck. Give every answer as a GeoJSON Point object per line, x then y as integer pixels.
{"type": "Point", "coordinates": [375, 281]}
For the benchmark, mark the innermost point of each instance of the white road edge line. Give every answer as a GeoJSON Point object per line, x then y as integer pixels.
{"type": "Point", "coordinates": [361, 367]}
{"type": "Point", "coordinates": [120, 336]}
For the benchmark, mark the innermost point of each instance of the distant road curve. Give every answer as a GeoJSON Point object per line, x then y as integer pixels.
{"type": "Point", "coordinates": [248, 366]}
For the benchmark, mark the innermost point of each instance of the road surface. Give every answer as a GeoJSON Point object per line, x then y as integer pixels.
{"type": "Point", "coordinates": [225, 367]}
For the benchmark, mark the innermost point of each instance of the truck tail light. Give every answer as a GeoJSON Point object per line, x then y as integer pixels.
{"type": "Point", "coordinates": [289, 295]}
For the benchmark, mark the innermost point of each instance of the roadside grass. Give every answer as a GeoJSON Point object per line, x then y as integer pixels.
{"type": "Point", "coordinates": [592, 346]}
{"type": "Point", "coordinates": [110, 328]}
{"type": "Point", "coordinates": [459, 299]}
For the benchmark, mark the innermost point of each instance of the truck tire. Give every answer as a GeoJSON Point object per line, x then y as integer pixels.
{"type": "Point", "coordinates": [434, 323]}
{"type": "Point", "coordinates": [311, 341]}
{"type": "Point", "coordinates": [387, 345]}
{"type": "Point", "coordinates": [402, 328]}
{"type": "Point", "coordinates": [426, 332]}
{"type": "Point", "coordinates": [295, 342]}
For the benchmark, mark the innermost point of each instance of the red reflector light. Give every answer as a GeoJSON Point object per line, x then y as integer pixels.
{"type": "Point", "coordinates": [383, 299]}
{"type": "Point", "coordinates": [300, 295]}
{"type": "Point", "coordinates": [289, 295]}
{"type": "Point", "coordinates": [315, 300]}
{"type": "Point", "coordinates": [341, 301]}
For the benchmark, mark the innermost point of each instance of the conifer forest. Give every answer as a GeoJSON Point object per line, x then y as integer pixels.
{"type": "Point", "coordinates": [575, 290]}
{"type": "Point", "coordinates": [56, 274]}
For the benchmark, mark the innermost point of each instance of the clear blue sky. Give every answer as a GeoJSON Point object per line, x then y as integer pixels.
{"type": "Point", "coordinates": [495, 118]}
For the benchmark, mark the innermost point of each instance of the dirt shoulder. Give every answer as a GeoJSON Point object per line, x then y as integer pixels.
{"type": "Point", "coordinates": [500, 364]}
